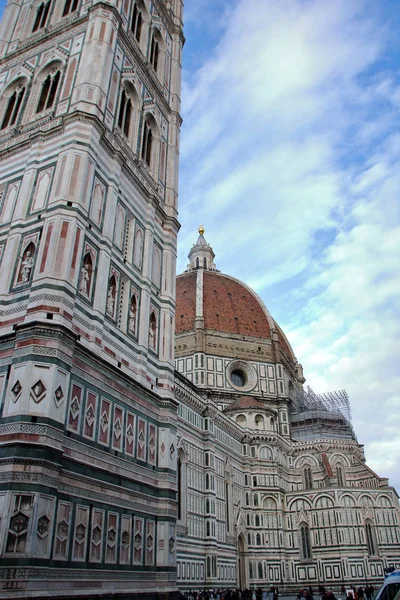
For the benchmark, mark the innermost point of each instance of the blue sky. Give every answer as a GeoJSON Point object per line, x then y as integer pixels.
{"type": "Point", "coordinates": [290, 156]}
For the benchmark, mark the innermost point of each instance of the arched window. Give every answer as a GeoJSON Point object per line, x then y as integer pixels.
{"type": "Point", "coordinates": [207, 505]}
{"type": "Point", "coordinates": [42, 12]}
{"type": "Point", "coordinates": [250, 569]}
{"type": "Point", "coordinates": [197, 263]}
{"type": "Point", "coordinates": [179, 486]}
{"type": "Point", "coordinates": [248, 520]}
{"type": "Point", "coordinates": [136, 21]}
{"type": "Point", "coordinates": [260, 571]}
{"type": "Point", "coordinates": [125, 113]}
{"type": "Point", "coordinates": [208, 566]}
{"type": "Point", "coordinates": [147, 143]}
{"type": "Point", "coordinates": [272, 424]}
{"type": "Point", "coordinates": [255, 499]}
{"type": "Point", "coordinates": [247, 499]}
{"type": "Point", "coordinates": [258, 539]}
{"type": "Point", "coordinates": [339, 476]}
{"type": "Point", "coordinates": [259, 421]}
{"type": "Point", "coordinates": [13, 107]}
{"type": "Point", "coordinates": [48, 91]}
{"type": "Point", "coordinates": [70, 6]}
{"type": "Point", "coordinates": [205, 262]}
{"type": "Point", "coordinates": [208, 529]}
{"type": "Point", "coordinates": [249, 539]}
{"type": "Point", "coordinates": [257, 520]}
{"type": "Point", "coordinates": [369, 532]}
{"type": "Point", "coordinates": [152, 331]}
{"type": "Point", "coordinates": [154, 51]}
{"type": "Point", "coordinates": [305, 545]}
{"type": "Point", "coordinates": [308, 480]}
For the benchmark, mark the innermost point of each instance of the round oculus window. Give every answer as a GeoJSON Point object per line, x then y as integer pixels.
{"type": "Point", "coordinates": [238, 378]}
{"type": "Point", "coordinates": [241, 375]}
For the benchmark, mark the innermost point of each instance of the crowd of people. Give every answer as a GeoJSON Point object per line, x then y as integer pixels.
{"type": "Point", "coordinates": [349, 593]}
{"type": "Point", "coordinates": [235, 594]}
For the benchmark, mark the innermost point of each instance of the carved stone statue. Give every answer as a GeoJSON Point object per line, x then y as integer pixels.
{"type": "Point", "coordinates": [26, 267]}
{"type": "Point", "coordinates": [132, 316]}
{"type": "Point", "coordinates": [84, 280]}
{"type": "Point", "coordinates": [152, 333]}
{"type": "Point", "coordinates": [111, 300]}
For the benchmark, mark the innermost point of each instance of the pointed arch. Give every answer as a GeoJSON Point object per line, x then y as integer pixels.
{"type": "Point", "coordinates": [305, 541]}
{"type": "Point", "coordinates": [12, 102]}
{"type": "Point", "coordinates": [150, 147]}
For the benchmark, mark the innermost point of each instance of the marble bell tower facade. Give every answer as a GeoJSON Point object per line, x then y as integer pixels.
{"type": "Point", "coordinates": [89, 148]}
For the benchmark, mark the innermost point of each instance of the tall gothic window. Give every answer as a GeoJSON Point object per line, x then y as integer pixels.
{"type": "Point", "coordinates": [339, 476]}
{"type": "Point", "coordinates": [13, 107]}
{"type": "Point", "coordinates": [370, 539]}
{"type": "Point", "coordinates": [305, 545]}
{"type": "Point", "coordinates": [125, 113]}
{"type": "Point", "coordinates": [147, 144]}
{"type": "Point", "coordinates": [179, 486]}
{"type": "Point", "coordinates": [70, 6]}
{"type": "Point", "coordinates": [154, 52]}
{"type": "Point", "coordinates": [137, 21]}
{"type": "Point", "coordinates": [42, 13]}
{"type": "Point", "coordinates": [308, 481]}
{"type": "Point", "coordinates": [48, 91]}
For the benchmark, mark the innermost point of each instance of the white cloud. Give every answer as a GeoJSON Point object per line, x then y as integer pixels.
{"type": "Point", "coordinates": [290, 160]}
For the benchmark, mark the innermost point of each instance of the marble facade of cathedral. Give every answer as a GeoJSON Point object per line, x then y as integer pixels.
{"type": "Point", "coordinates": [273, 485]}
{"type": "Point", "coordinates": [126, 470]}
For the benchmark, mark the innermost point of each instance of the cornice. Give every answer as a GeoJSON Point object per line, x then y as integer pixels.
{"type": "Point", "coordinates": [44, 41]}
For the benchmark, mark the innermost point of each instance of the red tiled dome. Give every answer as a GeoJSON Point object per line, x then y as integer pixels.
{"type": "Point", "coordinates": [228, 306]}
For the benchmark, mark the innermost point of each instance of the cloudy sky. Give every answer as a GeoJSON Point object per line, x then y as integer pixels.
{"type": "Point", "coordinates": [290, 157]}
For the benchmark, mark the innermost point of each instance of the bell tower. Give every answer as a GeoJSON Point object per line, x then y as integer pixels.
{"type": "Point", "coordinates": [89, 151]}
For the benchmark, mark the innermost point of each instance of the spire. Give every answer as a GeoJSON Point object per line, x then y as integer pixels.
{"type": "Point", "coordinates": [201, 255]}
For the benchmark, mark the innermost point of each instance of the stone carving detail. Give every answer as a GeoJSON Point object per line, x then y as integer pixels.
{"type": "Point", "coordinates": [16, 391]}
{"type": "Point", "coordinates": [43, 526]}
{"type": "Point", "coordinates": [125, 539]}
{"type": "Point", "coordinates": [38, 391]}
{"type": "Point", "coordinates": [117, 429]}
{"type": "Point", "coordinates": [58, 396]}
{"type": "Point", "coordinates": [27, 262]}
{"type": "Point", "coordinates": [75, 406]}
{"type": "Point", "coordinates": [62, 531]}
{"type": "Point", "coordinates": [111, 538]}
{"type": "Point", "coordinates": [90, 416]}
{"type": "Point", "coordinates": [96, 536]}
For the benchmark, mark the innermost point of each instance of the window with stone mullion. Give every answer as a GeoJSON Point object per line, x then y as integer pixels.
{"type": "Point", "coordinates": [48, 92]}
{"type": "Point", "coordinates": [136, 23]}
{"type": "Point", "coordinates": [41, 16]}
{"type": "Point", "coordinates": [13, 106]}
{"type": "Point", "coordinates": [70, 6]}
{"type": "Point", "coordinates": [154, 53]}
{"type": "Point", "coordinates": [125, 113]}
{"type": "Point", "coordinates": [147, 144]}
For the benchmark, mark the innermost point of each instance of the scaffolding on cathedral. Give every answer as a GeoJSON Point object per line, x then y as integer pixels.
{"type": "Point", "coordinates": [328, 413]}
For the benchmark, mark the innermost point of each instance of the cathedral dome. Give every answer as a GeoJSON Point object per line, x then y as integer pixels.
{"type": "Point", "coordinates": [209, 300]}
